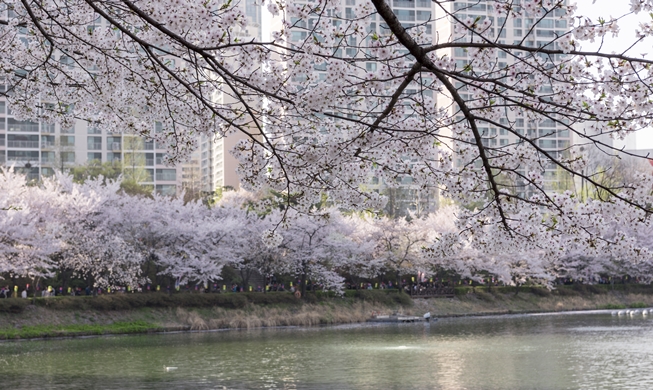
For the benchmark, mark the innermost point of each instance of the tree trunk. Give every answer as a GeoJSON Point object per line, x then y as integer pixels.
{"type": "Point", "coordinates": [245, 273]}
{"type": "Point", "coordinates": [303, 280]}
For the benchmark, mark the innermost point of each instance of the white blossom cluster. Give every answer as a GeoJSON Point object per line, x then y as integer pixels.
{"type": "Point", "coordinates": [107, 238]}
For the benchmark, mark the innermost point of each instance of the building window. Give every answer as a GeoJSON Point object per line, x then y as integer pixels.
{"type": "Point", "coordinates": [166, 174]}
{"type": "Point", "coordinates": [47, 141]}
{"type": "Point", "coordinates": [113, 157]}
{"type": "Point", "coordinates": [23, 155]}
{"type": "Point", "coordinates": [67, 140]}
{"type": "Point", "coordinates": [23, 126]}
{"type": "Point", "coordinates": [47, 128]}
{"type": "Point", "coordinates": [94, 143]}
{"type": "Point", "coordinates": [68, 157]}
{"type": "Point", "coordinates": [113, 143]}
{"type": "Point", "coordinates": [22, 141]}
{"type": "Point", "coordinates": [47, 157]}
{"type": "Point", "coordinates": [47, 172]}
{"type": "Point", "coordinates": [149, 175]}
{"type": "Point", "coordinates": [95, 156]}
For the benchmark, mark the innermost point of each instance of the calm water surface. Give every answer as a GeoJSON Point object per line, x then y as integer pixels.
{"type": "Point", "coordinates": [594, 351]}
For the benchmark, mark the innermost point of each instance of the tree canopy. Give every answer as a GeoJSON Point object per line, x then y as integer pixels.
{"type": "Point", "coordinates": [317, 120]}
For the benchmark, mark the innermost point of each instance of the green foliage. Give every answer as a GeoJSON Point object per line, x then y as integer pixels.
{"type": "Point", "coordinates": [111, 171]}
{"type": "Point", "coordinates": [540, 292]}
{"type": "Point", "coordinates": [585, 289]}
{"type": "Point", "coordinates": [13, 305]}
{"type": "Point", "coordinates": [562, 291]}
{"type": "Point", "coordinates": [94, 169]}
{"type": "Point", "coordinates": [463, 290]}
{"type": "Point", "coordinates": [484, 296]}
{"type": "Point", "coordinates": [638, 305]}
{"type": "Point", "coordinates": [612, 306]}
{"type": "Point", "coordinates": [131, 187]}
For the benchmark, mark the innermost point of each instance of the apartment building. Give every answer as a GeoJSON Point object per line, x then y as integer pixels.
{"type": "Point", "coordinates": [404, 196]}
{"type": "Point", "coordinates": [38, 149]}
{"type": "Point", "coordinates": [216, 165]}
{"type": "Point", "coordinates": [550, 135]}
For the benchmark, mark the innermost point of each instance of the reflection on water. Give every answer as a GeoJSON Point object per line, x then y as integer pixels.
{"type": "Point", "coordinates": [516, 352]}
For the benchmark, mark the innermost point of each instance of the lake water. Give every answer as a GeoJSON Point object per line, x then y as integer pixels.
{"type": "Point", "coordinates": [578, 351]}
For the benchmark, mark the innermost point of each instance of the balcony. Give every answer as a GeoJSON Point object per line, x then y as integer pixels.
{"type": "Point", "coordinates": [23, 144]}
{"type": "Point", "coordinates": [25, 127]}
{"type": "Point", "coordinates": [166, 175]}
{"type": "Point", "coordinates": [47, 144]}
{"type": "Point", "coordinates": [149, 162]}
{"type": "Point", "coordinates": [95, 146]}
{"type": "Point", "coordinates": [21, 158]}
{"type": "Point", "coordinates": [115, 146]}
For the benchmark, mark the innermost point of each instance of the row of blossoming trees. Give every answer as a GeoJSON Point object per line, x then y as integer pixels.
{"type": "Point", "coordinates": [94, 231]}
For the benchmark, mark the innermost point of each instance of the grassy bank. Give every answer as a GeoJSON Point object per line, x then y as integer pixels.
{"type": "Point", "coordinates": [47, 331]}
{"type": "Point", "coordinates": [141, 313]}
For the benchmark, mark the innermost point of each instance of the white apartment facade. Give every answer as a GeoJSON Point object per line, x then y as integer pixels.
{"type": "Point", "coordinates": [216, 165]}
{"type": "Point", "coordinates": [38, 149]}
{"type": "Point", "coordinates": [405, 196]}
{"type": "Point", "coordinates": [550, 136]}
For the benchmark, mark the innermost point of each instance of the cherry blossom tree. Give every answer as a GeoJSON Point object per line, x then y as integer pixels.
{"type": "Point", "coordinates": [127, 64]}
{"type": "Point", "coordinates": [90, 216]}
{"type": "Point", "coordinates": [318, 247]}
{"type": "Point", "coordinates": [27, 227]}
{"type": "Point", "coordinates": [399, 246]}
{"type": "Point", "coordinates": [186, 240]}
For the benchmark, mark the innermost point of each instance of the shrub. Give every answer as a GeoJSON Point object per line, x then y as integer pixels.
{"type": "Point", "coordinates": [540, 291]}
{"type": "Point", "coordinates": [463, 290]}
{"type": "Point", "coordinates": [565, 292]}
{"type": "Point", "coordinates": [638, 305]}
{"type": "Point", "coordinates": [13, 305]}
{"type": "Point", "coordinates": [401, 299]}
{"type": "Point", "coordinates": [310, 297]}
{"type": "Point", "coordinates": [482, 295]}
{"type": "Point", "coordinates": [276, 298]}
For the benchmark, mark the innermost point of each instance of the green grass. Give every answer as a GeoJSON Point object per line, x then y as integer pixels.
{"type": "Point", "coordinates": [38, 331]}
